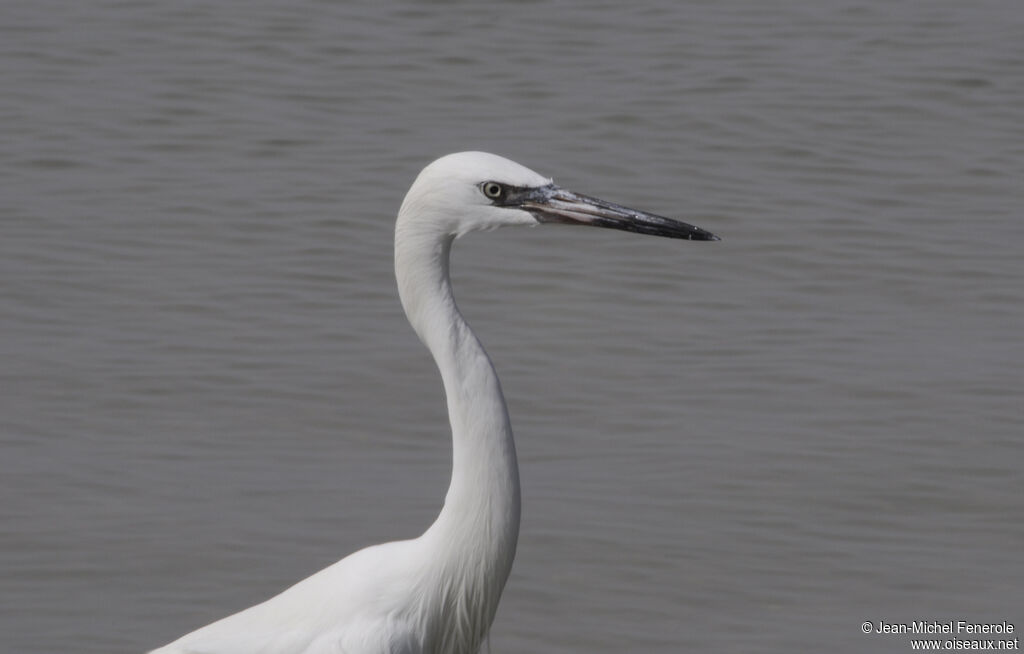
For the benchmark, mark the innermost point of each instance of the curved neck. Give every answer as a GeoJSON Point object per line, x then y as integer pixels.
{"type": "Point", "coordinates": [477, 529]}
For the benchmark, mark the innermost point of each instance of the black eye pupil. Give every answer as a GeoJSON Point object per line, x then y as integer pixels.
{"type": "Point", "coordinates": [492, 190]}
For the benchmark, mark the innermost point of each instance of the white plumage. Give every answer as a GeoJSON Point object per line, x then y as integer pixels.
{"type": "Point", "coordinates": [438, 593]}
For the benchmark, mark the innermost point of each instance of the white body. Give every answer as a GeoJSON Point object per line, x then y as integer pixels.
{"type": "Point", "coordinates": [438, 593]}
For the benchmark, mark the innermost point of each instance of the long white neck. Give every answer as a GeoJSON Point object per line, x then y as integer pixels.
{"type": "Point", "coordinates": [474, 538]}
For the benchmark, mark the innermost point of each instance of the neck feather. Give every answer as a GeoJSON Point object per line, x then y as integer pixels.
{"type": "Point", "coordinates": [474, 537]}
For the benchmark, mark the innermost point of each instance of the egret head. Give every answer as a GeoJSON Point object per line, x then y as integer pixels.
{"type": "Point", "coordinates": [455, 194]}
{"type": "Point", "coordinates": [469, 191]}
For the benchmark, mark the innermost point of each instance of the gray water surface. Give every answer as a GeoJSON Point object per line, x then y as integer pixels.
{"type": "Point", "coordinates": [208, 390]}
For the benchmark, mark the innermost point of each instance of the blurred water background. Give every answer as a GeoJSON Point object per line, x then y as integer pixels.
{"type": "Point", "coordinates": [208, 390]}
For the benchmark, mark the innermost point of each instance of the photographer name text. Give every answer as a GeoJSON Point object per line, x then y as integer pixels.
{"type": "Point", "coordinates": [936, 627]}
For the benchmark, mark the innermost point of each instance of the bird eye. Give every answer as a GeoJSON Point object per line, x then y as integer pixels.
{"type": "Point", "coordinates": [492, 190]}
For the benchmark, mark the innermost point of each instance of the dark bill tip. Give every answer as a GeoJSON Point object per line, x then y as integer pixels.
{"type": "Point", "coordinates": [551, 204]}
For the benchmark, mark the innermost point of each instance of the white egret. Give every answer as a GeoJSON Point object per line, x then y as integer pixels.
{"type": "Point", "coordinates": [438, 593]}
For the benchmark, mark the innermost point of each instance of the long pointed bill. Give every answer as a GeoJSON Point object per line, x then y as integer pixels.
{"type": "Point", "coordinates": [550, 204]}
